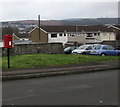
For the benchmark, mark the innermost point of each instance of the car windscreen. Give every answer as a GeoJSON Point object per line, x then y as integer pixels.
{"type": "Point", "coordinates": [83, 47]}
{"type": "Point", "coordinates": [97, 47]}
{"type": "Point", "coordinates": [68, 48]}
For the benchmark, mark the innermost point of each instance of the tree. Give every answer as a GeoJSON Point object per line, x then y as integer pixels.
{"type": "Point", "coordinates": [9, 30]}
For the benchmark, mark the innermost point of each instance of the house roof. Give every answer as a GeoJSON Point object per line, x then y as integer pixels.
{"type": "Point", "coordinates": [74, 28]}
{"type": "Point", "coordinates": [116, 27]}
{"type": "Point", "coordinates": [37, 28]}
{"type": "Point", "coordinates": [23, 35]}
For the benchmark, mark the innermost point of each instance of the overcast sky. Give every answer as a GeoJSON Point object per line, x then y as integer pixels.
{"type": "Point", "coordinates": [11, 10]}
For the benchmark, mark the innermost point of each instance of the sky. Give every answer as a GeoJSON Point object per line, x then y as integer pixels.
{"type": "Point", "coordinates": [12, 10]}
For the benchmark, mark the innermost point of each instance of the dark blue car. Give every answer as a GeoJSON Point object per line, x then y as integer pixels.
{"type": "Point", "coordinates": [68, 50]}
{"type": "Point", "coordinates": [105, 50]}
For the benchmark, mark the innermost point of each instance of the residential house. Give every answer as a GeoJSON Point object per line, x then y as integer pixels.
{"type": "Point", "coordinates": [80, 34]}
{"type": "Point", "coordinates": [15, 37]}
{"type": "Point", "coordinates": [38, 35]}
{"type": "Point", "coordinates": [1, 43]}
{"type": "Point", "coordinates": [116, 28]}
{"type": "Point", "coordinates": [21, 39]}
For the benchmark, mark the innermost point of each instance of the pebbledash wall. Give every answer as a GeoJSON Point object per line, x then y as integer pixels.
{"type": "Point", "coordinates": [42, 48]}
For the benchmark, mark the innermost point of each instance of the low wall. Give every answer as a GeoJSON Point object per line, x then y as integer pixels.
{"type": "Point", "coordinates": [113, 43]}
{"type": "Point", "coordinates": [43, 48]}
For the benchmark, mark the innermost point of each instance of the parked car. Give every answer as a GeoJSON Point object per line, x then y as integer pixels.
{"type": "Point", "coordinates": [69, 49]}
{"type": "Point", "coordinates": [105, 50]}
{"type": "Point", "coordinates": [118, 47]}
{"type": "Point", "coordinates": [83, 49]}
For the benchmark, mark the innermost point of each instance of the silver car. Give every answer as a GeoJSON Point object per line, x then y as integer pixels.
{"type": "Point", "coordinates": [83, 49]}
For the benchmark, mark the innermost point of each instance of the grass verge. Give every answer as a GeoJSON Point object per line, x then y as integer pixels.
{"type": "Point", "coordinates": [37, 60]}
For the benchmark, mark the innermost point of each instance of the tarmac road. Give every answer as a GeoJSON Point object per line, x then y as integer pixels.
{"type": "Point", "coordinates": [96, 88]}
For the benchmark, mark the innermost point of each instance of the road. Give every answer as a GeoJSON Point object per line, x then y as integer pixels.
{"type": "Point", "coordinates": [98, 88]}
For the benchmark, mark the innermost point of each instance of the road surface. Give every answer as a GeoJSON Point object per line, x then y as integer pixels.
{"type": "Point", "coordinates": [98, 88]}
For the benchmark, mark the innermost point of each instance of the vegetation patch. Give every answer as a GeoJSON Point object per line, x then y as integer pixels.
{"type": "Point", "coordinates": [37, 60]}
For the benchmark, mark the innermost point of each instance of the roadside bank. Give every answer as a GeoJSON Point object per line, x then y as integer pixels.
{"type": "Point", "coordinates": [27, 73]}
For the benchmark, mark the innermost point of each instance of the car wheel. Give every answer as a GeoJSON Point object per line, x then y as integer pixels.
{"type": "Point", "coordinates": [84, 53]}
{"type": "Point", "coordinates": [103, 54]}
{"type": "Point", "coordinates": [119, 54]}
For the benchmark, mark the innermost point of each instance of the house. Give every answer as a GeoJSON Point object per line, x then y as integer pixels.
{"type": "Point", "coordinates": [116, 28]}
{"type": "Point", "coordinates": [1, 43]}
{"type": "Point", "coordinates": [15, 37]}
{"type": "Point", "coordinates": [37, 35]}
{"type": "Point", "coordinates": [80, 34]}
{"type": "Point", "coordinates": [21, 39]}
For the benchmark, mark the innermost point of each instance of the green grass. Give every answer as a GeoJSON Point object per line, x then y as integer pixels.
{"type": "Point", "coordinates": [37, 60]}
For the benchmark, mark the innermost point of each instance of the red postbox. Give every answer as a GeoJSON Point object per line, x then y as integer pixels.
{"type": "Point", "coordinates": [8, 41]}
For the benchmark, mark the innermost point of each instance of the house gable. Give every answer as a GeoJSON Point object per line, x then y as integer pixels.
{"type": "Point", "coordinates": [34, 35]}
{"type": "Point", "coordinates": [15, 37]}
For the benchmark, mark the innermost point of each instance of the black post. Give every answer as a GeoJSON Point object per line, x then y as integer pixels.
{"type": "Point", "coordinates": [8, 53]}
{"type": "Point", "coordinates": [39, 26]}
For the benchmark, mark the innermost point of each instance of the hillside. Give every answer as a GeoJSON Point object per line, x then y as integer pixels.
{"type": "Point", "coordinates": [90, 21]}
{"type": "Point", "coordinates": [76, 21]}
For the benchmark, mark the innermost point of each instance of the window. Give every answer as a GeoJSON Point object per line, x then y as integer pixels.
{"type": "Point", "coordinates": [53, 35]}
{"type": "Point", "coordinates": [95, 34]}
{"type": "Point", "coordinates": [98, 34]}
{"type": "Point", "coordinates": [78, 34]}
{"type": "Point", "coordinates": [64, 34]}
{"type": "Point", "coordinates": [110, 48]}
{"type": "Point", "coordinates": [73, 35]}
{"type": "Point", "coordinates": [97, 47]}
{"type": "Point", "coordinates": [89, 48]}
{"type": "Point", "coordinates": [89, 34]}
{"type": "Point", "coordinates": [60, 34]}
{"type": "Point", "coordinates": [104, 48]}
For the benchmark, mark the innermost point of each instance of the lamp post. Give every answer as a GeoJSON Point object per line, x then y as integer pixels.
{"type": "Point", "coordinates": [39, 26]}
{"type": "Point", "coordinates": [76, 28]}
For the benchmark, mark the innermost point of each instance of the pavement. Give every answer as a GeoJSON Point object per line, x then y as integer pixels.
{"type": "Point", "coordinates": [26, 73]}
